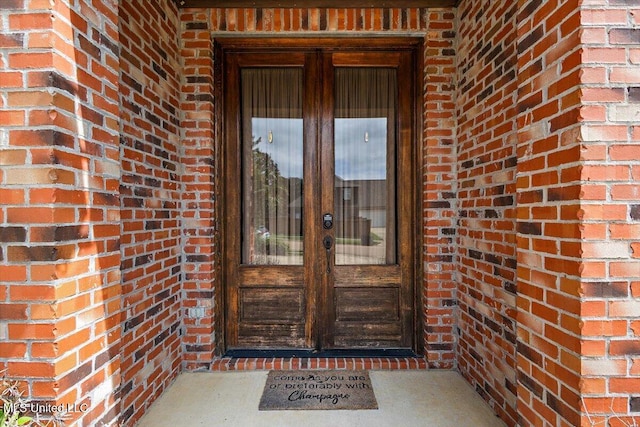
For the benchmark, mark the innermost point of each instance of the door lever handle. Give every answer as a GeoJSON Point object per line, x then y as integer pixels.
{"type": "Point", "coordinates": [327, 242]}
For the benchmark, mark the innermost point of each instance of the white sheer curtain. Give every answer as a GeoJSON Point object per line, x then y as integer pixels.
{"type": "Point", "coordinates": [364, 194]}
{"type": "Point", "coordinates": [272, 163]}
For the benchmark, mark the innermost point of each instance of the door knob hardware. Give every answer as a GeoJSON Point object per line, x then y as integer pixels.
{"type": "Point", "coordinates": [327, 242]}
{"type": "Point", "coordinates": [327, 221]}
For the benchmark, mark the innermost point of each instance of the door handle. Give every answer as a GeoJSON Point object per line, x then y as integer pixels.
{"type": "Point", "coordinates": [327, 242]}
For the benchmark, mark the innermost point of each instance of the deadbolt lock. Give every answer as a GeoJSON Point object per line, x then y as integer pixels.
{"type": "Point", "coordinates": [327, 221]}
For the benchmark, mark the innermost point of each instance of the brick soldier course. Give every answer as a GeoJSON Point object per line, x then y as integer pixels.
{"type": "Point", "coordinates": [110, 238]}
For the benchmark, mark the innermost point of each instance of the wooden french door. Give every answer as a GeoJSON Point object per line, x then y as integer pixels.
{"type": "Point", "coordinates": [319, 177]}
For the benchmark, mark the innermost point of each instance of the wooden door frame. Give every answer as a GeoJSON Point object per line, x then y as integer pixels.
{"type": "Point", "coordinates": [342, 44]}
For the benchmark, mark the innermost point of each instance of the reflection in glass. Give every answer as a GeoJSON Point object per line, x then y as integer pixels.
{"type": "Point", "coordinates": [272, 166]}
{"type": "Point", "coordinates": [364, 192]}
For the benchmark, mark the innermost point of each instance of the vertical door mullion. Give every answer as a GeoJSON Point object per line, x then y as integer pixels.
{"type": "Point", "coordinates": [311, 215]}
{"type": "Point", "coordinates": [327, 168]}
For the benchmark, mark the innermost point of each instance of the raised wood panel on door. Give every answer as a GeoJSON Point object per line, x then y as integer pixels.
{"type": "Point", "coordinates": [271, 310]}
{"type": "Point", "coordinates": [368, 313]}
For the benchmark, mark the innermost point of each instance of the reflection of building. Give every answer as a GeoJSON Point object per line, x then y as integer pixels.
{"type": "Point", "coordinates": [363, 198]}
{"type": "Point", "coordinates": [360, 206]}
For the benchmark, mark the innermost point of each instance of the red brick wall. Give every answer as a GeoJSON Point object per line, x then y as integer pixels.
{"type": "Point", "coordinates": [549, 227]}
{"type": "Point", "coordinates": [202, 317]}
{"type": "Point", "coordinates": [486, 181]}
{"type": "Point", "coordinates": [609, 212]}
{"type": "Point", "coordinates": [438, 142]}
{"type": "Point", "coordinates": [150, 198]}
{"type": "Point", "coordinates": [59, 253]}
{"type": "Point", "coordinates": [438, 183]}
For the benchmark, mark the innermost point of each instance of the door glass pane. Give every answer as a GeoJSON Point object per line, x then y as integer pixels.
{"type": "Point", "coordinates": [364, 191]}
{"type": "Point", "coordinates": [272, 156]}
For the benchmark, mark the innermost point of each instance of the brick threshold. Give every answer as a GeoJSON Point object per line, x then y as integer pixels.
{"type": "Point", "coordinates": [302, 363]}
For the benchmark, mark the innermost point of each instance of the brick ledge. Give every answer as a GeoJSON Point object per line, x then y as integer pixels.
{"type": "Point", "coordinates": [295, 363]}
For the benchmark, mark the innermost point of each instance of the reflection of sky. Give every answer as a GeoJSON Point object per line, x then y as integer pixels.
{"type": "Point", "coordinates": [286, 149]}
{"type": "Point", "coordinates": [355, 159]}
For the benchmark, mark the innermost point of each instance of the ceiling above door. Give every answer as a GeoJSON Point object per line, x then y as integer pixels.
{"type": "Point", "coordinates": [315, 3]}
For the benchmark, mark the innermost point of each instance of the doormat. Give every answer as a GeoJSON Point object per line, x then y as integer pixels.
{"type": "Point", "coordinates": [318, 390]}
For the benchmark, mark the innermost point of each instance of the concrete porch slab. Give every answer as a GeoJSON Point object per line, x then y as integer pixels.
{"type": "Point", "coordinates": [405, 398]}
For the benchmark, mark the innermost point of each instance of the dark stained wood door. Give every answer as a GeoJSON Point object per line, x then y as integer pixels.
{"type": "Point", "coordinates": [316, 135]}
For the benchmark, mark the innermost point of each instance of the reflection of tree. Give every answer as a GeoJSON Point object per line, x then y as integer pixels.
{"type": "Point", "coordinates": [270, 189]}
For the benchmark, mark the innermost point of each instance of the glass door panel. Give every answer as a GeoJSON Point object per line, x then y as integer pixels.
{"type": "Point", "coordinates": [272, 163]}
{"type": "Point", "coordinates": [364, 189]}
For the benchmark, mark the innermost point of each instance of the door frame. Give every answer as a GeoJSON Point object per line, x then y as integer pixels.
{"type": "Point", "coordinates": [225, 44]}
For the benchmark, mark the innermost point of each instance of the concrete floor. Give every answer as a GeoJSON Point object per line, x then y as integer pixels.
{"type": "Point", "coordinates": [405, 398]}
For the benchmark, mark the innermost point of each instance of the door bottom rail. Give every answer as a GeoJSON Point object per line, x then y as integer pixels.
{"type": "Point", "coordinates": [308, 353]}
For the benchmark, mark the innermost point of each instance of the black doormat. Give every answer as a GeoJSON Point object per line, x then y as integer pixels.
{"type": "Point", "coordinates": [318, 390]}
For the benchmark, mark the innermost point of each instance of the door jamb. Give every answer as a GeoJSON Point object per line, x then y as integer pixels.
{"type": "Point", "coordinates": [219, 311]}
